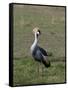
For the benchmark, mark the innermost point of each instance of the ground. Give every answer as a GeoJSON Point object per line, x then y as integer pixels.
{"type": "Point", "coordinates": [51, 21]}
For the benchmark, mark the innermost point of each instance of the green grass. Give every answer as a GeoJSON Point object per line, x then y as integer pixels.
{"type": "Point", "coordinates": [51, 21]}
{"type": "Point", "coordinates": [26, 72]}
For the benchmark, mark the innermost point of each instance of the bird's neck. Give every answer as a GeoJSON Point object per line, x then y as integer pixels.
{"type": "Point", "coordinates": [36, 40]}
{"type": "Point", "coordinates": [34, 43]}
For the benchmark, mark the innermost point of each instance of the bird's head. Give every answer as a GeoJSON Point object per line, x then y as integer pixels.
{"type": "Point", "coordinates": [36, 31]}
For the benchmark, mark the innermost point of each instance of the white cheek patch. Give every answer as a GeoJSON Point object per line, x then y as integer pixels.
{"type": "Point", "coordinates": [37, 32]}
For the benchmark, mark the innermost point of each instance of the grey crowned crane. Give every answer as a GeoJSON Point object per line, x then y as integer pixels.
{"type": "Point", "coordinates": [38, 53]}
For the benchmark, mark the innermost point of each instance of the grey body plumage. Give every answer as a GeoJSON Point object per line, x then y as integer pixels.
{"type": "Point", "coordinates": [38, 53]}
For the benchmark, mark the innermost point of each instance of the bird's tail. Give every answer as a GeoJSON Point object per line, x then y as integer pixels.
{"type": "Point", "coordinates": [46, 63]}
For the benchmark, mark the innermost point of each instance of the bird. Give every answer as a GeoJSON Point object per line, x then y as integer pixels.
{"type": "Point", "coordinates": [38, 53]}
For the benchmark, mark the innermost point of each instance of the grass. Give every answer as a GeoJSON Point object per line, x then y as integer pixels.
{"type": "Point", "coordinates": [26, 72]}
{"type": "Point", "coordinates": [51, 21]}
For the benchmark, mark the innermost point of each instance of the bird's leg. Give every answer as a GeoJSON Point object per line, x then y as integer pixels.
{"type": "Point", "coordinates": [37, 70]}
{"type": "Point", "coordinates": [41, 70]}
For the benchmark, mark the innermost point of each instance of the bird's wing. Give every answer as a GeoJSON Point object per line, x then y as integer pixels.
{"type": "Point", "coordinates": [43, 51]}
{"type": "Point", "coordinates": [37, 55]}
{"type": "Point", "coordinates": [42, 56]}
